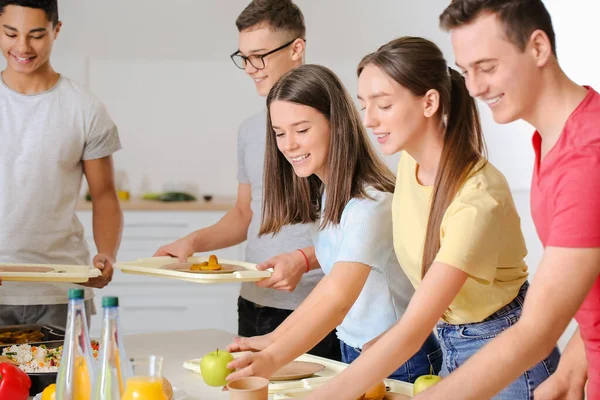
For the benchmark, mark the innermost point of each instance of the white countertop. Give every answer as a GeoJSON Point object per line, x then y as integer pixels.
{"type": "Point", "coordinates": [177, 347]}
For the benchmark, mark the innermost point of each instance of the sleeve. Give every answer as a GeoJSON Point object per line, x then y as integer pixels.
{"type": "Point", "coordinates": [242, 174]}
{"type": "Point", "coordinates": [471, 235]}
{"type": "Point", "coordinates": [367, 235]}
{"type": "Point", "coordinates": [576, 218]}
{"type": "Point", "coordinates": [102, 137]}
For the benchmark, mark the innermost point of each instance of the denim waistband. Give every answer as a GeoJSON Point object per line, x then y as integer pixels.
{"type": "Point", "coordinates": [513, 305]}
{"type": "Point", "coordinates": [516, 303]}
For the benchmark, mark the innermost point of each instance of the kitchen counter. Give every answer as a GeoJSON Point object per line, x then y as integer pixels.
{"type": "Point", "coordinates": [177, 347]}
{"type": "Point", "coordinates": [216, 204]}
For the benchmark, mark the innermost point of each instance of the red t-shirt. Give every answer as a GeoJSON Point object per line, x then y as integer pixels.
{"type": "Point", "coordinates": [565, 204]}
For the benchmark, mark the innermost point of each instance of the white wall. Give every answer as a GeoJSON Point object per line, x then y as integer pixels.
{"type": "Point", "coordinates": [163, 70]}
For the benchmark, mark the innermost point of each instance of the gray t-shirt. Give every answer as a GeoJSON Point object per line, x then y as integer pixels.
{"type": "Point", "coordinates": [44, 138]}
{"type": "Point", "coordinates": [251, 157]}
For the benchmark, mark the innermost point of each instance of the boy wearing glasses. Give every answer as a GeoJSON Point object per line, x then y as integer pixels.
{"type": "Point", "coordinates": [271, 43]}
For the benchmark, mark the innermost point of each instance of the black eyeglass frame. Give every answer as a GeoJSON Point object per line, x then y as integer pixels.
{"type": "Point", "coordinates": [246, 59]}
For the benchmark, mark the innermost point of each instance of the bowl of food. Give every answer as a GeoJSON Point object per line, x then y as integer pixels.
{"type": "Point", "coordinates": [40, 361]}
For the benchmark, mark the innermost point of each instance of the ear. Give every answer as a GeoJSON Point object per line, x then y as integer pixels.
{"type": "Point", "coordinates": [298, 49]}
{"type": "Point", "coordinates": [431, 103]}
{"type": "Point", "coordinates": [57, 29]}
{"type": "Point", "coordinates": [540, 46]}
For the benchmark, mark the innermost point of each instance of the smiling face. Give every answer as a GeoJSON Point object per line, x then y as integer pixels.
{"type": "Point", "coordinates": [261, 39]}
{"type": "Point", "coordinates": [496, 71]}
{"type": "Point", "coordinates": [303, 137]}
{"type": "Point", "coordinates": [394, 113]}
{"type": "Point", "coordinates": [27, 38]}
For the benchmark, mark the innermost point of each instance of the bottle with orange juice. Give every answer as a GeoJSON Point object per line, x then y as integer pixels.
{"type": "Point", "coordinates": [146, 383]}
{"type": "Point", "coordinates": [76, 372]}
{"type": "Point", "coordinates": [114, 367]}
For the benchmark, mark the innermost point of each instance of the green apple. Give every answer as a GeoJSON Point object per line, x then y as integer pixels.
{"type": "Point", "coordinates": [424, 382]}
{"type": "Point", "coordinates": [213, 367]}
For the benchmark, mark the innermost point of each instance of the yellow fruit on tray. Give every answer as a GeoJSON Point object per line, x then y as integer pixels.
{"type": "Point", "coordinates": [211, 265]}
{"type": "Point", "coordinates": [425, 382]}
{"type": "Point", "coordinates": [377, 392]}
{"type": "Point", "coordinates": [167, 388]}
{"type": "Point", "coordinates": [49, 393]}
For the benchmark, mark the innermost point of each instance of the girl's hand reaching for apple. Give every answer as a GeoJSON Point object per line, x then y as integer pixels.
{"type": "Point", "coordinates": [255, 343]}
{"type": "Point", "coordinates": [253, 364]}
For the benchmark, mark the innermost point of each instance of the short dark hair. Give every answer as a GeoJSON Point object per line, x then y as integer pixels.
{"type": "Point", "coordinates": [520, 18]}
{"type": "Point", "coordinates": [50, 7]}
{"type": "Point", "coordinates": [280, 15]}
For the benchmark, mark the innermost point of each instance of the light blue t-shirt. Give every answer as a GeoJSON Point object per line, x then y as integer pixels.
{"type": "Point", "coordinates": [365, 236]}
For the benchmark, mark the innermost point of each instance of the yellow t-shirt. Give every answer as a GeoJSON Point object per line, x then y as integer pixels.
{"type": "Point", "coordinates": [480, 234]}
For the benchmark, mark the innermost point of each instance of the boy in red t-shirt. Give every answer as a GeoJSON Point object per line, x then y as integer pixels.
{"type": "Point", "coordinates": [506, 50]}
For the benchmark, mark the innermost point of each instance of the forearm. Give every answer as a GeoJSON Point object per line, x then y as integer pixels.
{"type": "Point", "coordinates": [389, 352]}
{"type": "Point", "coordinates": [230, 230]}
{"type": "Point", "coordinates": [107, 224]}
{"type": "Point", "coordinates": [403, 340]}
{"type": "Point", "coordinates": [310, 328]}
{"type": "Point", "coordinates": [311, 256]}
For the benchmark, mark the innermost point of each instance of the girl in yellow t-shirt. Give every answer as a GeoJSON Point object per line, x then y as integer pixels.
{"type": "Point", "coordinates": [456, 230]}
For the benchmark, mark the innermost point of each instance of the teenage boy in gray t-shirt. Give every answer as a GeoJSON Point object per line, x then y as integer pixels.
{"type": "Point", "coordinates": [52, 131]}
{"type": "Point", "coordinates": [271, 43]}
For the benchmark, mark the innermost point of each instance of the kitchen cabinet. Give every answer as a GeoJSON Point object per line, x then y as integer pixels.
{"type": "Point", "coordinates": [150, 304]}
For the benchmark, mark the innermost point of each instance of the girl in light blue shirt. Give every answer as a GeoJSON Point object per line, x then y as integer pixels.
{"type": "Point", "coordinates": [320, 168]}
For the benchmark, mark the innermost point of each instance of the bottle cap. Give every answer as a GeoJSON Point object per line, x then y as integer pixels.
{"type": "Point", "coordinates": [75, 294]}
{"type": "Point", "coordinates": [110, 301]}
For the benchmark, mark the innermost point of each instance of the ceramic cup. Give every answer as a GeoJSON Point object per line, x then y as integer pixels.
{"type": "Point", "coordinates": [252, 388]}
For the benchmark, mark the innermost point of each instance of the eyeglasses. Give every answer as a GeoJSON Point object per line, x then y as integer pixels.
{"type": "Point", "coordinates": [256, 60]}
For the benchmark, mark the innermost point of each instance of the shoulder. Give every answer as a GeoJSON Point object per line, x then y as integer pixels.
{"type": "Point", "coordinates": [81, 95]}
{"type": "Point", "coordinates": [254, 122]}
{"type": "Point", "coordinates": [376, 207]}
{"type": "Point", "coordinates": [486, 189]}
{"type": "Point", "coordinates": [582, 131]}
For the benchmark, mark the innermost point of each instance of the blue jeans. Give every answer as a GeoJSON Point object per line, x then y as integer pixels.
{"type": "Point", "coordinates": [430, 355]}
{"type": "Point", "coordinates": [459, 342]}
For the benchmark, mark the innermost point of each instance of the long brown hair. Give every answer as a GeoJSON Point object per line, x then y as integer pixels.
{"type": "Point", "coordinates": [352, 163]}
{"type": "Point", "coordinates": [418, 65]}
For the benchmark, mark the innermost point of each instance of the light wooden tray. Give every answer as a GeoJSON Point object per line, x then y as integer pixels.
{"type": "Point", "coordinates": [152, 267]}
{"type": "Point", "coordinates": [47, 273]}
{"type": "Point", "coordinates": [304, 386]}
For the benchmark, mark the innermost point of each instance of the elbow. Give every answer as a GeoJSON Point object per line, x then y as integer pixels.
{"type": "Point", "coordinates": [340, 306]}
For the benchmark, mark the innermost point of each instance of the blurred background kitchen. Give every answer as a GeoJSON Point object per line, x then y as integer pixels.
{"type": "Point", "coordinates": [164, 72]}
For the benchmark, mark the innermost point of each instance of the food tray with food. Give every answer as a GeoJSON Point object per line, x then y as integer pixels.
{"type": "Point", "coordinates": [201, 269]}
{"type": "Point", "coordinates": [47, 273]}
{"type": "Point", "coordinates": [330, 370]}
{"type": "Point", "coordinates": [39, 360]}
{"type": "Point", "coordinates": [19, 334]}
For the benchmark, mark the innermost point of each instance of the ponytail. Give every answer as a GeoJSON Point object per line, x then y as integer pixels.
{"type": "Point", "coordinates": [464, 148]}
